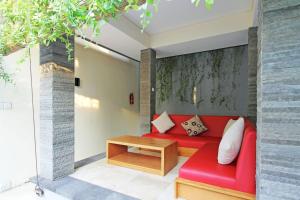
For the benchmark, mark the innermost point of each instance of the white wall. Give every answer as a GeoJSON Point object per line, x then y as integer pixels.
{"type": "Point", "coordinates": [102, 108]}
{"type": "Point", "coordinates": [16, 128]}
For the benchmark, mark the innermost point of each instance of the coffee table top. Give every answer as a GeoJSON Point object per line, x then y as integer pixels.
{"type": "Point", "coordinates": [142, 142]}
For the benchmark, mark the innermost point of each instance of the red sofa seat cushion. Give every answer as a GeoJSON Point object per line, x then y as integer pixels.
{"type": "Point", "coordinates": [203, 167]}
{"type": "Point", "coordinates": [215, 124]}
{"type": "Point", "coordinates": [186, 141]}
{"type": "Point", "coordinates": [239, 175]}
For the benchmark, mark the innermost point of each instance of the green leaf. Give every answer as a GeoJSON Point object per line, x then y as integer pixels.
{"type": "Point", "coordinates": [135, 7]}
{"type": "Point", "coordinates": [196, 2]}
{"type": "Point", "coordinates": [25, 23]}
{"type": "Point", "coordinates": [209, 4]}
{"type": "Point", "coordinates": [151, 2]}
{"type": "Point", "coordinates": [148, 13]}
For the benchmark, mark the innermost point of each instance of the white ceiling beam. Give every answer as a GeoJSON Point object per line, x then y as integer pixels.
{"type": "Point", "coordinates": [222, 25]}
{"type": "Point", "coordinates": [132, 30]}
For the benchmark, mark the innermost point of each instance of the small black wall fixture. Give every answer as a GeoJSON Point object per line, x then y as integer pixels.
{"type": "Point", "coordinates": [77, 81]}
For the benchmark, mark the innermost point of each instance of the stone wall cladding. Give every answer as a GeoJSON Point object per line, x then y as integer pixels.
{"type": "Point", "coordinates": [56, 113]}
{"type": "Point", "coordinates": [147, 81]}
{"type": "Point", "coordinates": [57, 52]}
{"type": "Point", "coordinates": [278, 122]}
{"type": "Point", "coordinates": [252, 73]}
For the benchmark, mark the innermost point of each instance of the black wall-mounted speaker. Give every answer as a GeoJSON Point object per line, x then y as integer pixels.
{"type": "Point", "coordinates": [77, 81]}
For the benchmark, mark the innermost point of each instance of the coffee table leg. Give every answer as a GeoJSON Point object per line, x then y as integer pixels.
{"type": "Point", "coordinates": [169, 158]}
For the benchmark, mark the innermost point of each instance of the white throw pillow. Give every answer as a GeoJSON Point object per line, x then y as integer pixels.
{"type": "Point", "coordinates": [231, 142]}
{"type": "Point", "coordinates": [229, 123]}
{"type": "Point", "coordinates": [163, 122]}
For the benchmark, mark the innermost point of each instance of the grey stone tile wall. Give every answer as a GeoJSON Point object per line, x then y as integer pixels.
{"type": "Point", "coordinates": [57, 52]}
{"type": "Point", "coordinates": [252, 73]}
{"type": "Point", "coordinates": [56, 113]}
{"type": "Point", "coordinates": [147, 82]}
{"type": "Point", "coordinates": [278, 119]}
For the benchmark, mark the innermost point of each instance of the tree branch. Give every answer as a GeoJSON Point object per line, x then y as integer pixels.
{"type": "Point", "coordinates": [12, 49]}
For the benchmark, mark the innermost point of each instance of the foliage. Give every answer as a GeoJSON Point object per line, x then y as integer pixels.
{"type": "Point", "coordinates": [215, 74]}
{"type": "Point", "coordinates": [25, 23]}
{"type": "Point", "coordinates": [3, 74]}
{"type": "Point", "coordinates": [164, 78]}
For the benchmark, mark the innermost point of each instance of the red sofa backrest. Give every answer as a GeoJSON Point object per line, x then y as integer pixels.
{"type": "Point", "coordinates": [246, 161]}
{"type": "Point", "coordinates": [215, 124]}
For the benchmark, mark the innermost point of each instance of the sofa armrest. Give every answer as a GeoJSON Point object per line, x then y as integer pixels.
{"type": "Point", "coordinates": [246, 163]}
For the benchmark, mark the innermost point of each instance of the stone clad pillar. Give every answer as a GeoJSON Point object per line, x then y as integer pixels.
{"type": "Point", "coordinates": [147, 88]}
{"type": "Point", "coordinates": [56, 112]}
{"type": "Point", "coordinates": [278, 117]}
{"type": "Point", "coordinates": [252, 73]}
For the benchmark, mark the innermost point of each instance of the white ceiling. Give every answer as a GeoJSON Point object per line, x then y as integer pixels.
{"type": "Point", "coordinates": [180, 28]}
{"type": "Point", "coordinates": [206, 44]}
{"type": "Point", "coordinates": [117, 40]}
{"type": "Point", "coordinates": [173, 14]}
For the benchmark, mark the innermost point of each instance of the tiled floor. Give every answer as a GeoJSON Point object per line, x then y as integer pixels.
{"type": "Point", "coordinates": [26, 192]}
{"type": "Point", "coordinates": [72, 188]}
{"type": "Point", "coordinates": [130, 182]}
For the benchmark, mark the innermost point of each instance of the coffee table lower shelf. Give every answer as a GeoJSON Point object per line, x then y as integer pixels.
{"type": "Point", "coordinates": [146, 163]}
{"type": "Point", "coordinates": [160, 163]}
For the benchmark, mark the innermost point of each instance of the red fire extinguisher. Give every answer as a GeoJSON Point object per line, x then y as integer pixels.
{"type": "Point", "coordinates": [131, 99]}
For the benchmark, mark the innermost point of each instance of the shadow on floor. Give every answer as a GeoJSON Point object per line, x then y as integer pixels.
{"type": "Point", "coordinates": [76, 189]}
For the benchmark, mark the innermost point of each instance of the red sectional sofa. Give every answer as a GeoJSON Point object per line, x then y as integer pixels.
{"type": "Point", "coordinates": [202, 171]}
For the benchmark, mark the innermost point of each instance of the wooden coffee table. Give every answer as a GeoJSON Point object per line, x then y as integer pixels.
{"type": "Point", "coordinates": [117, 153]}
